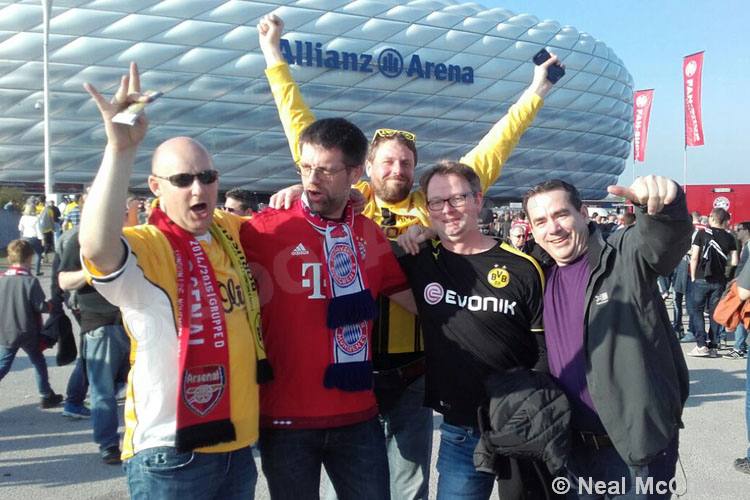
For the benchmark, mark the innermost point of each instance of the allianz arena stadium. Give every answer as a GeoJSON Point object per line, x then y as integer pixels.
{"type": "Point", "coordinates": [444, 70]}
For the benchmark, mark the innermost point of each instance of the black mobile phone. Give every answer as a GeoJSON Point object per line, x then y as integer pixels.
{"type": "Point", "coordinates": [554, 72]}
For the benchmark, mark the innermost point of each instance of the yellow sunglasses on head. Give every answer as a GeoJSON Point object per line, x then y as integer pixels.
{"type": "Point", "coordinates": [387, 133]}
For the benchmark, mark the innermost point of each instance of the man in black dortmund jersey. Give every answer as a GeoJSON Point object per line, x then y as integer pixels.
{"type": "Point", "coordinates": [480, 305]}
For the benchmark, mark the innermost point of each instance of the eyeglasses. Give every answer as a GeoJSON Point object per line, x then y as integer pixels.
{"type": "Point", "coordinates": [518, 235]}
{"type": "Point", "coordinates": [456, 201]}
{"type": "Point", "coordinates": [185, 180]}
{"type": "Point", "coordinates": [387, 133]}
{"type": "Point", "coordinates": [325, 172]}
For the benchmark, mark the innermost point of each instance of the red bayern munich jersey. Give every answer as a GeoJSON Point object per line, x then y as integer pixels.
{"type": "Point", "coordinates": [286, 256]}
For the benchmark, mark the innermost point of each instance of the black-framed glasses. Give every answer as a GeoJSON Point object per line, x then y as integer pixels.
{"type": "Point", "coordinates": [456, 201]}
{"type": "Point", "coordinates": [325, 172]}
{"type": "Point", "coordinates": [185, 180]}
{"type": "Point", "coordinates": [387, 133]}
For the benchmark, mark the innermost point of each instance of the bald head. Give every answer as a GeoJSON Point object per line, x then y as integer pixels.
{"type": "Point", "coordinates": [190, 205]}
{"type": "Point", "coordinates": [180, 152]}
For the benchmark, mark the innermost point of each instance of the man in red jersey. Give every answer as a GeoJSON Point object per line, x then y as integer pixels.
{"type": "Point", "coordinates": [319, 269]}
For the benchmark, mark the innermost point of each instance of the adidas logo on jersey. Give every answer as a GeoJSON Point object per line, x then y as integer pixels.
{"type": "Point", "coordinates": [300, 250]}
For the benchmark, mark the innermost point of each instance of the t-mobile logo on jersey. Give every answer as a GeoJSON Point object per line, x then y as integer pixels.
{"type": "Point", "coordinates": [311, 278]}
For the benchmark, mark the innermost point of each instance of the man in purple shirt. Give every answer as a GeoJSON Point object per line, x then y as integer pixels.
{"type": "Point", "coordinates": [609, 340]}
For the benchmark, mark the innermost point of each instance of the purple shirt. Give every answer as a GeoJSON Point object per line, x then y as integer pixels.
{"type": "Point", "coordinates": [564, 297]}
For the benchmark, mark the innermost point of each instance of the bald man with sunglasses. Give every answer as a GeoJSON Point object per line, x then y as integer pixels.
{"type": "Point", "coordinates": [191, 414]}
{"type": "Point", "coordinates": [390, 202]}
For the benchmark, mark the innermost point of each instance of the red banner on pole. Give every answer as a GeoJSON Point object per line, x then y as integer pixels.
{"type": "Point", "coordinates": [692, 70]}
{"type": "Point", "coordinates": [642, 100]}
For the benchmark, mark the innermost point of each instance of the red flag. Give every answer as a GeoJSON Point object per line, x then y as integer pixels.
{"type": "Point", "coordinates": [642, 100]}
{"type": "Point", "coordinates": [692, 69]}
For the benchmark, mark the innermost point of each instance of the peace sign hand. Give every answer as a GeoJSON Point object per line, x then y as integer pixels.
{"type": "Point", "coordinates": [122, 137]}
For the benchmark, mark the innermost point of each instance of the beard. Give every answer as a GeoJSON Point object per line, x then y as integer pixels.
{"type": "Point", "coordinates": [391, 190]}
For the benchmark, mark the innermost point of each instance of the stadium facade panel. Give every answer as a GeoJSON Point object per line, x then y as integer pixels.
{"type": "Point", "coordinates": [444, 70]}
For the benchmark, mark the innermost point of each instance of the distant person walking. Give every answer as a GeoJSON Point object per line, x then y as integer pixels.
{"type": "Point", "coordinates": [28, 226]}
{"type": "Point", "coordinates": [22, 302]}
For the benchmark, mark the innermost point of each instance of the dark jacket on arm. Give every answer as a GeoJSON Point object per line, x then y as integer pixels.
{"type": "Point", "coordinates": [636, 372]}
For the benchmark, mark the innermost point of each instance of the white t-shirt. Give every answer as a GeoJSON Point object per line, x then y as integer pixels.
{"type": "Point", "coordinates": [29, 227]}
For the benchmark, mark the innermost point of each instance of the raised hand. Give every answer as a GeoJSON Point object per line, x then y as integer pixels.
{"type": "Point", "coordinates": [653, 191]}
{"type": "Point", "coordinates": [122, 137]}
{"type": "Point", "coordinates": [270, 27]}
{"type": "Point", "coordinates": [540, 85]}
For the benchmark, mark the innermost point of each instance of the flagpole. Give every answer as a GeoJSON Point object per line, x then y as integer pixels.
{"type": "Point", "coordinates": [48, 186]}
{"type": "Point", "coordinates": [684, 169]}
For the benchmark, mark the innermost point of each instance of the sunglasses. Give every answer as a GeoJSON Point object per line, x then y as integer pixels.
{"type": "Point", "coordinates": [186, 180]}
{"type": "Point", "coordinates": [387, 133]}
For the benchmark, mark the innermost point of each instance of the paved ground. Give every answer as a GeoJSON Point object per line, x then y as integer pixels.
{"type": "Point", "coordinates": [44, 455]}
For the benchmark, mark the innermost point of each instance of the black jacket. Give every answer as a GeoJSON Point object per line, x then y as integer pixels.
{"type": "Point", "coordinates": [635, 369]}
{"type": "Point", "coordinates": [527, 416]}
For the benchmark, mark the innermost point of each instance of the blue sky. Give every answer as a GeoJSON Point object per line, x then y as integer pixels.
{"type": "Point", "coordinates": [651, 37]}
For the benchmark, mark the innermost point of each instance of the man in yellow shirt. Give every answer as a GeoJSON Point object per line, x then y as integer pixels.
{"type": "Point", "coordinates": [399, 354]}
{"type": "Point", "coordinates": [191, 413]}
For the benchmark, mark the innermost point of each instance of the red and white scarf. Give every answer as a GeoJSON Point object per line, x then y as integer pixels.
{"type": "Point", "coordinates": [16, 270]}
{"type": "Point", "coordinates": [203, 402]}
{"type": "Point", "coordinates": [350, 306]}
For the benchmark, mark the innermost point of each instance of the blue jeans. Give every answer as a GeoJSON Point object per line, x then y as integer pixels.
{"type": "Point", "coordinates": [36, 244]}
{"type": "Point", "coordinates": [740, 338]}
{"type": "Point", "coordinates": [354, 457]}
{"type": "Point", "coordinates": [677, 309]}
{"type": "Point", "coordinates": [78, 383]}
{"type": "Point", "coordinates": [457, 477]}
{"type": "Point", "coordinates": [105, 348]}
{"type": "Point", "coordinates": [705, 297]}
{"type": "Point", "coordinates": [163, 473]}
{"type": "Point", "coordinates": [689, 306]}
{"type": "Point", "coordinates": [408, 441]}
{"type": "Point", "coordinates": [606, 465]}
{"type": "Point", "coordinates": [38, 362]}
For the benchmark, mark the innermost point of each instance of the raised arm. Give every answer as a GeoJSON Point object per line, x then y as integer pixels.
{"type": "Point", "coordinates": [294, 114]}
{"type": "Point", "coordinates": [101, 217]}
{"type": "Point", "coordinates": [489, 156]}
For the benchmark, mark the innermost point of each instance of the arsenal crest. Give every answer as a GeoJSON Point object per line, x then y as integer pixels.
{"type": "Point", "coordinates": [202, 388]}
